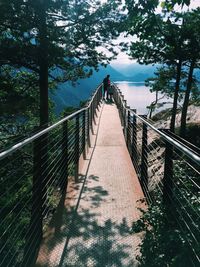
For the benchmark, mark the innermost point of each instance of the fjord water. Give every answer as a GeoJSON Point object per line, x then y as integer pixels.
{"type": "Point", "coordinates": [138, 95]}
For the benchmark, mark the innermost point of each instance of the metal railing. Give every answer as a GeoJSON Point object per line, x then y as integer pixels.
{"type": "Point", "coordinates": [168, 169]}
{"type": "Point", "coordinates": [34, 175]}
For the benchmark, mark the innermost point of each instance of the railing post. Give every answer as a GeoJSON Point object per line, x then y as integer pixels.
{"type": "Point", "coordinates": [134, 153]}
{"type": "Point", "coordinates": [168, 174]}
{"type": "Point", "coordinates": [77, 149]}
{"type": "Point", "coordinates": [91, 118]}
{"type": "Point", "coordinates": [93, 109]}
{"type": "Point", "coordinates": [84, 135]}
{"type": "Point", "coordinates": [96, 104]}
{"type": "Point", "coordinates": [117, 98]}
{"type": "Point", "coordinates": [128, 136]}
{"type": "Point", "coordinates": [144, 162]}
{"type": "Point", "coordinates": [124, 118]}
{"type": "Point", "coordinates": [122, 97]}
{"type": "Point", "coordinates": [64, 178]}
{"type": "Point", "coordinates": [98, 98]}
{"type": "Point", "coordinates": [121, 108]}
{"type": "Point", "coordinates": [101, 93]}
{"type": "Point", "coordinates": [114, 94]}
{"type": "Point", "coordinates": [92, 112]}
{"type": "Point", "coordinates": [35, 232]}
{"type": "Point", "coordinates": [88, 127]}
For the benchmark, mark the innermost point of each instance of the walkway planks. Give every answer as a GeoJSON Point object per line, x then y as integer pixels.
{"type": "Point", "coordinates": [92, 227]}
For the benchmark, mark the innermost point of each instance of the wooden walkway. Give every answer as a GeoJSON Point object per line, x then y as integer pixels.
{"type": "Point", "coordinates": [92, 225]}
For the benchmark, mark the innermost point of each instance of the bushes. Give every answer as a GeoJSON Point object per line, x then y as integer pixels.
{"type": "Point", "coordinates": [171, 230]}
{"type": "Point", "coordinates": [163, 243]}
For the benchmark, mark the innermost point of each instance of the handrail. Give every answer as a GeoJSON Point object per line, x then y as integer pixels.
{"type": "Point", "coordinates": [49, 158]}
{"type": "Point", "coordinates": [183, 142]}
{"type": "Point", "coordinates": [181, 148]}
{"type": "Point", "coordinates": [168, 171]}
{"type": "Point", "coordinates": [35, 136]}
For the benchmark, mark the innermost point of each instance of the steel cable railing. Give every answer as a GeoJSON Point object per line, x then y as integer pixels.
{"type": "Point", "coordinates": [34, 176]}
{"type": "Point", "coordinates": [168, 169]}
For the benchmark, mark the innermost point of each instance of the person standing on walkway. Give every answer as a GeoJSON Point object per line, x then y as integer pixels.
{"type": "Point", "coordinates": [106, 85]}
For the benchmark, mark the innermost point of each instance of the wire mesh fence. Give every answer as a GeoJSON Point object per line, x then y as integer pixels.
{"type": "Point", "coordinates": [168, 169]}
{"type": "Point", "coordinates": [34, 176]}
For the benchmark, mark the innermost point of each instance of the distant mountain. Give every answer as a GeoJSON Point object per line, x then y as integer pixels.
{"type": "Point", "coordinates": [63, 99]}
{"type": "Point", "coordinates": [68, 95]}
{"type": "Point", "coordinates": [140, 77]}
{"type": "Point", "coordinates": [136, 72]}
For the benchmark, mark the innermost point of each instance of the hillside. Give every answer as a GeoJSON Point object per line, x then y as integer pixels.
{"type": "Point", "coordinates": [135, 72]}
{"type": "Point", "coordinates": [68, 95]}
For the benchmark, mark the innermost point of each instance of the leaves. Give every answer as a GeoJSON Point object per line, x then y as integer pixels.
{"type": "Point", "coordinates": [71, 33]}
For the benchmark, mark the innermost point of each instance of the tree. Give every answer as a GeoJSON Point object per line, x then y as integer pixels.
{"type": "Point", "coordinates": [17, 97]}
{"type": "Point", "coordinates": [193, 44]}
{"type": "Point", "coordinates": [52, 41]}
{"type": "Point", "coordinates": [162, 82]}
{"type": "Point", "coordinates": [57, 36]}
{"type": "Point", "coordinates": [171, 3]}
{"type": "Point", "coordinates": [161, 38]}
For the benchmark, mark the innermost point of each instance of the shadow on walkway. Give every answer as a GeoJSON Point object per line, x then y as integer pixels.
{"type": "Point", "coordinates": [92, 226]}
{"type": "Point", "coordinates": [96, 245]}
{"type": "Point", "coordinates": [76, 238]}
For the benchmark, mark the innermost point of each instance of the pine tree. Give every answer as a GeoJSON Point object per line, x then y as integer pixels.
{"type": "Point", "coordinates": [57, 39]}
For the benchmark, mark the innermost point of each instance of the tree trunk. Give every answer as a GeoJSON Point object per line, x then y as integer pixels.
{"type": "Point", "coordinates": [186, 100]}
{"type": "Point", "coordinates": [151, 111]}
{"type": "Point", "coordinates": [40, 153]}
{"type": "Point", "coordinates": [44, 109]}
{"type": "Point", "coordinates": [156, 97]}
{"type": "Point", "coordinates": [177, 86]}
{"type": "Point", "coordinates": [43, 66]}
{"type": "Point", "coordinates": [153, 104]}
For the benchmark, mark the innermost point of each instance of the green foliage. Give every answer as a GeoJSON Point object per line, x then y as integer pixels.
{"type": "Point", "coordinates": [19, 107]}
{"type": "Point", "coordinates": [192, 133]}
{"type": "Point", "coordinates": [163, 81]}
{"type": "Point", "coordinates": [68, 111]}
{"type": "Point", "coordinates": [170, 38]}
{"type": "Point", "coordinates": [159, 245]}
{"type": "Point", "coordinates": [74, 29]}
{"type": "Point", "coordinates": [18, 87]}
{"type": "Point", "coordinates": [162, 115]}
{"type": "Point", "coordinates": [16, 193]}
{"type": "Point", "coordinates": [42, 43]}
{"type": "Point", "coordinates": [163, 243]}
{"type": "Point", "coordinates": [170, 234]}
{"type": "Point", "coordinates": [169, 4]}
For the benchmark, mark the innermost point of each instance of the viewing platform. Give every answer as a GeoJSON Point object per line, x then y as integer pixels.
{"type": "Point", "coordinates": [93, 226]}
{"type": "Point", "coordinates": [70, 192]}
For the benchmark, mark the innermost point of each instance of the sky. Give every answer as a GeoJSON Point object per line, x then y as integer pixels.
{"type": "Point", "coordinates": [123, 58]}
{"type": "Point", "coordinates": [195, 4]}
